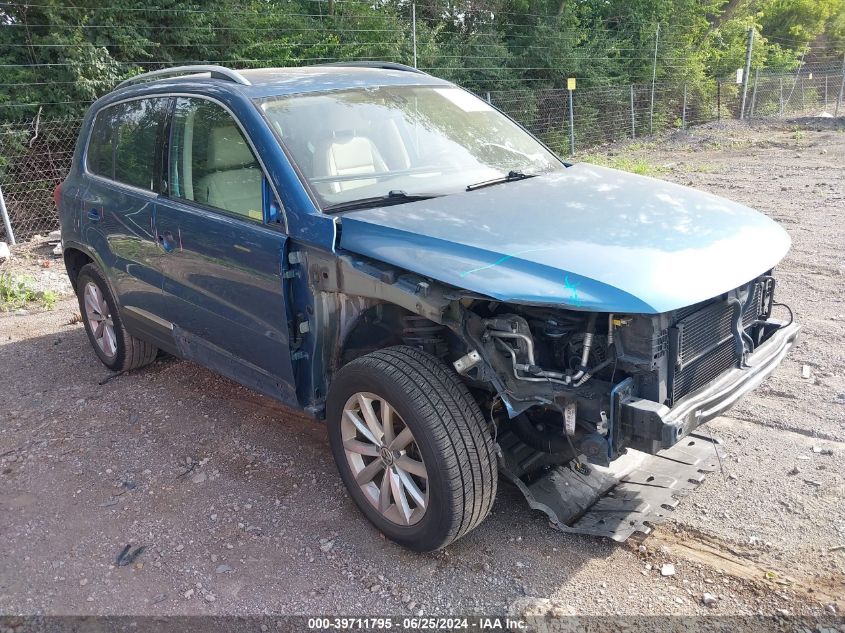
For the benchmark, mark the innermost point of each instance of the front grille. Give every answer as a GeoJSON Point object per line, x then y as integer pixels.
{"type": "Point", "coordinates": [705, 346]}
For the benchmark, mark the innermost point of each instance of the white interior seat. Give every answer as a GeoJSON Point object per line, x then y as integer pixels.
{"type": "Point", "coordinates": [234, 182]}
{"type": "Point", "coordinates": [349, 157]}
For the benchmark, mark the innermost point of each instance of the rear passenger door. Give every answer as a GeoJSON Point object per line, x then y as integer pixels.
{"type": "Point", "coordinates": [122, 166]}
{"type": "Point", "coordinates": [222, 263]}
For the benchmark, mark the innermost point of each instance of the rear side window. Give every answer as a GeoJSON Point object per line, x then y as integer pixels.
{"type": "Point", "coordinates": [211, 162]}
{"type": "Point", "coordinates": [125, 142]}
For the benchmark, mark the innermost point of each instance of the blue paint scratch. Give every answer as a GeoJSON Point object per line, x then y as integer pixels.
{"type": "Point", "coordinates": [574, 299]}
{"type": "Point", "coordinates": [501, 260]}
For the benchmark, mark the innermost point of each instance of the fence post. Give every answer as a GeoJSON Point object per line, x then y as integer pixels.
{"type": "Point", "coordinates": [653, 78]}
{"type": "Point", "coordinates": [571, 126]}
{"type": "Point", "coordinates": [684, 110]}
{"type": "Point", "coordinates": [781, 96]}
{"type": "Point", "coordinates": [718, 100]}
{"type": "Point", "coordinates": [803, 105]}
{"type": "Point", "coordinates": [6, 222]}
{"type": "Point", "coordinates": [414, 29]}
{"type": "Point", "coordinates": [747, 72]}
{"type": "Point", "coordinates": [488, 97]}
{"type": "Point", "coordinates": [633, 115]}
{"type": "Point", "coordinates": [841, 89]}
{"type": "Point", "coordinates": [825, 92]}
{"type": "Point", "coordinates": [754, 94]}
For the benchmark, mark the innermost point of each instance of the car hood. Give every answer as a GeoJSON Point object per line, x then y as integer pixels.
{"type": "Point", "coordinates": [587, 238]}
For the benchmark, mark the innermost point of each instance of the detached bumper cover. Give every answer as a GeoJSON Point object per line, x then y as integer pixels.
{"type": "Point", "coordinates": [652, 426]}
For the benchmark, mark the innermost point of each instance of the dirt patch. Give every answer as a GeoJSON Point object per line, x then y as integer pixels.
{"type": "Point", "coordinates": [239, 509]}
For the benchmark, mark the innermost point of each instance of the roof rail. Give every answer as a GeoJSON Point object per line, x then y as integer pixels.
{"type": "Point", "coordinates": [216, 72]}
{"type": "Point", "coordinates": [377, 64]}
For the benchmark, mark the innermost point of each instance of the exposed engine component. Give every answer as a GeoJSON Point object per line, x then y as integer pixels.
{"type": "Point", "coordinates": [513, 337]}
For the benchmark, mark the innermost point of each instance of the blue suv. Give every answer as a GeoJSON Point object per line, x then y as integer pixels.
{"type": "Point", "coordinates": [385, 251]}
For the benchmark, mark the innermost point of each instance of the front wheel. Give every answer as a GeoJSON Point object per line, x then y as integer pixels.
{"type": "Point", "coordinates": [412, 447]}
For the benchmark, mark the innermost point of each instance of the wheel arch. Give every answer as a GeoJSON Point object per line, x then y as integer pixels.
{"type": "Point", "coordinates": [75, 260]}
{"type": "Point", "coordinates": [377, 326]}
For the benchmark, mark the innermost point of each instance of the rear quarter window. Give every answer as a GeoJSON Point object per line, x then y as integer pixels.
{"type": "Point", "coordinates": [125, 141]}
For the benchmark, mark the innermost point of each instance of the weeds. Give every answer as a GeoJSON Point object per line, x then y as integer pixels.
{"type": "Point", "coordinates": [625, 163]}
{"type": "Point", "coordinates": [17, 292]}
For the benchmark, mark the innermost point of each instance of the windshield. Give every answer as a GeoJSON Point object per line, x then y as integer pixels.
{"type": "Point", "coordinates": [363, 143]}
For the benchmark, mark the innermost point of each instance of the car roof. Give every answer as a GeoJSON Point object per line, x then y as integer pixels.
{"type": "Point", "coordinates": [267, 82]}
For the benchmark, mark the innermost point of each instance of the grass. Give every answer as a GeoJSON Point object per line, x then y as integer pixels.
{"type": "Point", "coordinates": [17, 292]}
{"type": "Point", "coordinates": [626, 163]}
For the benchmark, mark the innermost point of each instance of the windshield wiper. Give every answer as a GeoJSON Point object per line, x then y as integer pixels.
{"type": "Point", "coordinates": [511, 177]}
{"type": "Point", "coordinates": [396, 196]}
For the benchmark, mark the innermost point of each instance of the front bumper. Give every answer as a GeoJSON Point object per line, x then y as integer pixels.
{"type": "Point", "coordinates": [651, 426]}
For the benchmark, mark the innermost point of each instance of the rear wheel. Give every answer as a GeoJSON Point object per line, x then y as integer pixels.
{"type": "Point", "coordinates": [115, 347]}
{"type": "Point", "coordinates": [412, 447]}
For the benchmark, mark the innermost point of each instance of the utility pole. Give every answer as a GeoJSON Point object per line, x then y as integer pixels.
{"type": "Point", "coordinates": [747, 72]}
{"type": "Point", "coordinates": [653, 78]}
{"type": "Point", "coordinates": [414, 29]}
{"type": "Point", "coordinates": [570, 86]}
{"type": "Point", "coordinates": [841, 89]}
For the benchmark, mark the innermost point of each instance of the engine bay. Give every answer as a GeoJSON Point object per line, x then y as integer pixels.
{"type": "Point", "coordinates": [560, 376]}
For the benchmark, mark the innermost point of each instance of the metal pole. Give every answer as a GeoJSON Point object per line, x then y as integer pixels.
{"type": "Point", "coordinates": [633, 115]}
{"type": "Point", "coordinates": [825, 92]}
{"type": "Point", "coordinates": [841, 89]}
{"type": "Point", "coordinates": [718, 100]}
{"type": "Point", "coordinates": [571, 127]}
{"type": "Point", "coordinates": [684, 110]}
{"type": "Point", "coordinates": [488, 97]}
{"type": "Point", "coordinates": [414, 29]}
{"type": "Point", "coordinates": [803, 105]}
{"type": "Point", "coordinates": [748, 48]}
{"type": "Point", "coordinates": [6, 222]}
{"type": "Point", "coordinates": [781, 96]}
{"type": "Point", "coordinates": [653, 78]}
{"type": "Point", "coordinates": [754, 93]}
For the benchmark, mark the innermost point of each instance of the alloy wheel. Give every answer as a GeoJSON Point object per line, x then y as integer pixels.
{"type": "Point", "coordinates": [385, 459]}
{"type": "Point", "coordinates": [99, 318]}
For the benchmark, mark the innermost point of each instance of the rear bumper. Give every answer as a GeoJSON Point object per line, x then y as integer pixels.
{"type": "Point", "coordinates": [652, 426]}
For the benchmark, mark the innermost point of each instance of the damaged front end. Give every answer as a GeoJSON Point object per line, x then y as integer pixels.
{"type": "Point", "coordinates": [595, 414]}
{"type": "Point", "coordinates": [572, 387]}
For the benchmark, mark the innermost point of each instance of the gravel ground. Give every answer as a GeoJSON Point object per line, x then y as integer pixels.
{"type": "Point", "coordinates": [239, 510]}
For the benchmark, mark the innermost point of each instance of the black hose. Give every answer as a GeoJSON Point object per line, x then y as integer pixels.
{"type": "Point", "coordinates": [783, 305]}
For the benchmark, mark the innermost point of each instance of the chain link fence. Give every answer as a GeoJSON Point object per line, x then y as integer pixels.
{"type": "Point", "coordinates": [36, 154]}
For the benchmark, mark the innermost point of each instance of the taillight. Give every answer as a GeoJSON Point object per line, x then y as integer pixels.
{"type": "Point", "coordinates": [57, 194]}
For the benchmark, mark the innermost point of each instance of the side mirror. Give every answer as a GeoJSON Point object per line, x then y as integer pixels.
{"type": "Point", "coordinates": [274, 209]}
{"type": "Point", "coordinates": [275, 212]}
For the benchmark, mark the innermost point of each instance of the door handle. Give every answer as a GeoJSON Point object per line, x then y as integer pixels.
{"type": "Point", "coordinates": [94, 215]}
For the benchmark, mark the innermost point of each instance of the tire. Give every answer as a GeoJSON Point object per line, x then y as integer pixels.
{"type": "Point", "coordinates": [121, 351]}
{"type": "Point", "coordinates": [450, 437]}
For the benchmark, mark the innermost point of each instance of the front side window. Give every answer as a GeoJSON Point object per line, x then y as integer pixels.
{"type": "Point", "coordinates": [211, 162]}
{"type": "Point", "coordinates": [125, 140]}
{"type": "Point", "coordinates": [417, 140]}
